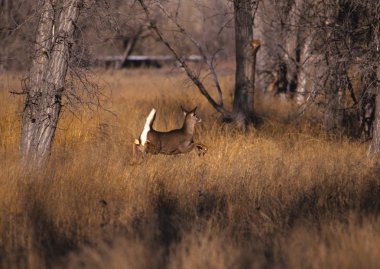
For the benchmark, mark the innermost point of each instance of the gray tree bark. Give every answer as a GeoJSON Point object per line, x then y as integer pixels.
{"type": "Point", "coordinates": [374, 147]}
{"type": "Point", "coordinates": [243, 105]}
{"type": "Point", "coordinates": [292, 40]}
{"type": "Point", "coordinates": [47, 79]}
{"type": "Point", "coordinates": [375, 143]}
{"type": "Point", "coordinates": [305, 63]}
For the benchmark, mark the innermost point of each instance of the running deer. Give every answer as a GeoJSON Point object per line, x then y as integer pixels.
{"type": "Point", "coordinates": [173, 142]}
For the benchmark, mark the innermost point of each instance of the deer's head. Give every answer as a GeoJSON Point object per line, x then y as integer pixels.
{"type": "Point", "coordinates": [191, 118]}
{"type": "Point", "coordinates": [191, 115]}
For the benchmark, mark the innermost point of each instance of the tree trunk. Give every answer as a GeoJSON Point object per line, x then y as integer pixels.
{"type": "Point", "coordinates": [47, 79]}
{"type": "Point", "coordinates": [375, 143]}
{"type": "Point", "coordinates": [304, 69]}
{"type": "Point", "coordinates": [244, 77]}
{"type": "Point", "coordinates": [129, 45]}
{"type": "Point", "coordinates": [292, 40]}
{"type": "Point", "coordinates": [374, 148]}
{"type": "Point", "coordinates": [334, 114]}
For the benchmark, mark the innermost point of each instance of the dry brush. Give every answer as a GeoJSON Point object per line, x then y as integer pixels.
{"type": "Point", "coordinates": [285, 195]}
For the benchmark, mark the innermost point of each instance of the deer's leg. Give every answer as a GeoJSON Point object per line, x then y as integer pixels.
{"type": "Point", "coordinates": [201, 149]}
{"type": "Point", "coordinates": [137, 147]}
{"type": "Point", "coordinates": [184, 148]}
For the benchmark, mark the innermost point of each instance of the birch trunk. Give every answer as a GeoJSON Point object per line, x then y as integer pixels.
{"type": "Point", "coordinates": [47, 80]}
{"type": "Point", "coordinates": [304, 68]}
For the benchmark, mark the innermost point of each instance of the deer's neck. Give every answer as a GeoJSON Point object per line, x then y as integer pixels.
{"type": "Point", "coordinates": [188, 127]}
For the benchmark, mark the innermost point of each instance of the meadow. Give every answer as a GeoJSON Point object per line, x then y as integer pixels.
{"type": "Point", "coordinates": [284, 195]}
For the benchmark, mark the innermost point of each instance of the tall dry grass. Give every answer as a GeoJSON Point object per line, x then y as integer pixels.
{"type": "Point", "coordinates": [285, 195]}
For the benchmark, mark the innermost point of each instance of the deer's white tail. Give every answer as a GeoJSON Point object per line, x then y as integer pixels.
{"type": "Point", "coordinates": [147, 127]}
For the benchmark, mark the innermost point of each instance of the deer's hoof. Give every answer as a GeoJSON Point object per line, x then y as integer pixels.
{"type": "Point", "coordinates": [202, 150]}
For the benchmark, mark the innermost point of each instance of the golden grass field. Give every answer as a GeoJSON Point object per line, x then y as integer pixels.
{"type": "Point", "coordinates": [286, 195]}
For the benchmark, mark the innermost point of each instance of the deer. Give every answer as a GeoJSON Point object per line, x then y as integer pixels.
{"type": "Point", "coordinates": [177, 141]}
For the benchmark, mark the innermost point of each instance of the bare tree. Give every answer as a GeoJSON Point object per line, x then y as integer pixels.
{"type": "Point", "coordinates": [130, 43]}
{"type": "Point", "coordinates": [46, 83]}
{"type": "Point", "coordinates": [246, 49]}
{"type": "Point", "coordinates": [303, 71]}
{"type": "Point", "coordinates": [347, 42]}
{"type": "Point", "coordinates": [276, 24]}
{"type": "Point", "coordinates": [375, 143]}
{"type": "Point", "coordinates": [317, 51]}
{"type": "Point", "coordinates": [17, 23]}
{"type": "Point", "coordinates": [243, 105]}
{"type": "Point", "coordinates": [218, 106]}
{"type": "Point", "coordinates": [375, 49]}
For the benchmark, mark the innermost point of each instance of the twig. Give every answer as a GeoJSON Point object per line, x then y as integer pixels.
{"type": "Point", "coordinates": [188, 71]}
{"type": "Point", "coordinates": [19, 93]}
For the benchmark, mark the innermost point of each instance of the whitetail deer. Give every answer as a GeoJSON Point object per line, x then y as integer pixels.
{"type": "Point", "coordinates": [173, 142]}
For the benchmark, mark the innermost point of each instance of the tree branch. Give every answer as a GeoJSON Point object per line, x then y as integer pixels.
{"type": "Point", "coordinates": [209, 63]}
{"type": "Point", "coordinates": [187, 69]}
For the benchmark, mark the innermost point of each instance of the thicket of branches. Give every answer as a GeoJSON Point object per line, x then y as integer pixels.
{"type": "Point", "coordinates": [323, 53]}
{"type": "Point", "coordinates": [107, 26]}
